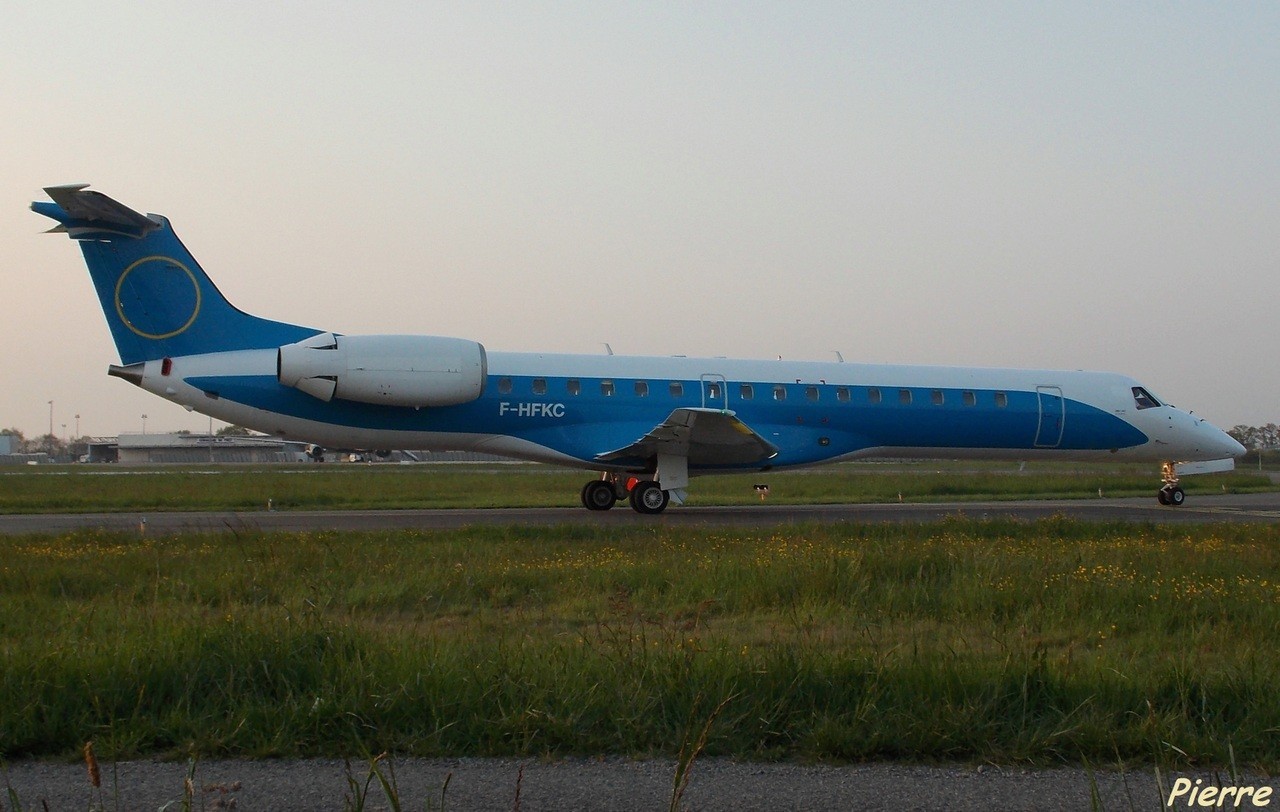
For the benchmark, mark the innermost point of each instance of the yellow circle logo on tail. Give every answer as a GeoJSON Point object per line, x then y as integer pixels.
{"type": "Point", "coordinates": [157, 297]}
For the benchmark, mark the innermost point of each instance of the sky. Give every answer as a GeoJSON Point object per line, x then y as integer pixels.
{"type": "Point", "coordinates": [1048, 185]}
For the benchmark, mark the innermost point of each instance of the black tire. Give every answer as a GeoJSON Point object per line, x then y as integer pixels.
{"type": "Point", "coordinates": [1162, 496]}
{"type": "Point", "coordinates": [598, 495]}
{"type": "Point", "coordinates": [1177, 496]}
{"type": "Point", "coordinates": [649, 498]}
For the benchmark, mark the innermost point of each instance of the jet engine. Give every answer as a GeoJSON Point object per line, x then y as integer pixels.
{"type": "Point", "coordinates": [388, 370]}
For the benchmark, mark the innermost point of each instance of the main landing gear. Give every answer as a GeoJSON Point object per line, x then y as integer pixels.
{"type": "Point", "coordinates": [1170, 494]}
{"type": "Point", "coordinates": [646, 496]}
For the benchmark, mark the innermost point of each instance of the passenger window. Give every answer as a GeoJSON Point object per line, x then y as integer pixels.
{"type": "Point", "coordinates": [873, 395]}
{"type": "Point", "coordinates": [677, 389]}
{"type": "Point", "coordinates": [539, 386]}
{"type": "Point", "coordinates": [1002, 400]}
{"type": "Point", "coordinates": [904, 397]}
{"type": "Point", "coordinates": [606, 388]}
{"type": "Point", "coordinates": [713, 391]}
{"type": "Point", "coordinates": [1143, 398]}
{"type": "Point", "coordinates": [504, 386]}
{"type": "Point", "coordinates": [779, 393]}
{"type": "Point", "coordinates": [969, 398]}
{"type": "Point", "coordinates": [642, 389]}
{"type": "Point", "coordinates": [574, 386]}
{"type": "Point", "coordinates": [746, 392]}
{"type": "Point", "coordinates": [936, 397]}
{"type": "Point", "coordinates": [842, 394]}
{"type": "Point", "coordinates": [811, 392]}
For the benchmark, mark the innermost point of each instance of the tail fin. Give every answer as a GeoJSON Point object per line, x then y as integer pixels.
{"type": "Point", "coordinates": [158, 301]}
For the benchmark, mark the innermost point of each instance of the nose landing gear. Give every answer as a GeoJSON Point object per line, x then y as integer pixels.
{"type": "Point", "coordinates": [1170, 494]}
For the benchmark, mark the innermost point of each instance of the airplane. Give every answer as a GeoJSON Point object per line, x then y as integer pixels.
{"type": "Point", "coordinates": [644, 425]}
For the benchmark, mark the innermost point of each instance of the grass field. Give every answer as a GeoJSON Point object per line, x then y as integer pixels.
{"type": "Point", "coordinates": [1051, 642]}
{"type": "Point", "coordinates": [301, 487]}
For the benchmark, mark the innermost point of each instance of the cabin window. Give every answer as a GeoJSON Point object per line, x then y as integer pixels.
{"type": "Point", "coordinates": [642, 389]}
{"type": "Point", "coordinates": [1002, 400]}
{"type": "Point", "coordinates": [713, 391]}
{"type": "Point", "coordinates": [606, 388]}
{"type": "Point", "coordinates": [504, 386]}
{"type": "Point", "coordinates": [937, 398]}
{"type": "Point", "coordinates": [539, 386]}
{"type": "Point", "coordinates": [746, 392]}
{"type": "Point", "coordinates": [1143, 398]}
{"type": "Point", "coordinates": [873, 395]}
{"type": "Point", "coordinates": [779, 393]}
{"type": "Point", "coordinates": [677, 389]}
{"type": "Point", "coordinates": [969, 398]}
{"type": "Point", "coordinates": [842, 394]}
{"type": "Point", "coordinates": [811, 392]}
{"type": "Point", "coordinates": [574, 386]}
{"type": "Point", "coordinates": [904, 397]}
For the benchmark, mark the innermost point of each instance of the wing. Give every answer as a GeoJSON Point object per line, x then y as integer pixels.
{"type": "Point", "coordinates": [706, 437]}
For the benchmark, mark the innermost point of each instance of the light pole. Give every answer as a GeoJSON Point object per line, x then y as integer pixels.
{"type": "Point", "coordinates": [64, 432]}
{"type": "Point", "coordinates": [144, 424]}
{"type": "Point", "coordinates": [77, 427]}
{"type": "Point", "coordinates": [51, 418]}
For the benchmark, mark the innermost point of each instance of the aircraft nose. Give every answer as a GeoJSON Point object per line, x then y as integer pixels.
{"type": "Point", "coordinates": [1233, 447]}
{"type": "Point", "coordinates": [1221, 442]}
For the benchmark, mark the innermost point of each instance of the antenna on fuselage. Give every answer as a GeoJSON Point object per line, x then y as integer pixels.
{"type": "Point", "coordinates": [607, 348]}
{"type": "Point", "coordinates": [839, 357]}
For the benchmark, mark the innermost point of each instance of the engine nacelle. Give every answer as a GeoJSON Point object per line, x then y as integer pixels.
{"type": "Point", "coordinates": [386, 370]}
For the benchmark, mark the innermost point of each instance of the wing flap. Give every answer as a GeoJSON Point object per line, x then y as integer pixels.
{"type": "Point", "coordinates": [707, 437]}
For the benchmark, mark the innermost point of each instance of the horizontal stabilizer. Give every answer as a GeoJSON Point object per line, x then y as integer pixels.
{"type": "Point", "coordinates": [707, 437]}
{"type": "Point", "coordinates": [83, 213]}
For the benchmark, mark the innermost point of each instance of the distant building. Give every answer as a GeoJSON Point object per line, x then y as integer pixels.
{"type": "Point", "coordinates": [140, 449]}
{"type": "Point", "coordinates": [194, 449]}
{"type": "Point", "coordinates": [38, 458]}
{"type": "Point", "coordinates": [101, 449]}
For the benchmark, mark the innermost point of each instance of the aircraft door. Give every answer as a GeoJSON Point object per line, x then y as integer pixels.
{"type": "Point", "coordinates": [715, 392]}
{"type": "Point", "coordinates": [1053, 416]}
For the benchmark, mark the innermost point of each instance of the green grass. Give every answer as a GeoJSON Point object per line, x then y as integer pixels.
{"type": "Point", "coordinates": [310, 487]}
{"type": "Point", "coordinates": [1050, 642]}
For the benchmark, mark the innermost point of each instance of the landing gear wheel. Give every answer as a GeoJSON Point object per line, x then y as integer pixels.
{"type": "Point", "coordinates": [648, 497]}
{"type": "Point", "coordinates": [598, 495]}
{"type": "Point", "coordinates": [1171, 494]}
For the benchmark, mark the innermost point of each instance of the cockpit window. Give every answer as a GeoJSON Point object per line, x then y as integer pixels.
{"type": "Point", "coordinates": [1143, 398]}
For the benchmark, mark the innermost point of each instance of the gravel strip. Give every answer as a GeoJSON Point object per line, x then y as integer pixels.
{"type": "Point", "coordinates": [585, 784]}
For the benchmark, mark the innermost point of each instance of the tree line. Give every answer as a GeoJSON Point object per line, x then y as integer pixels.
{"type": "Point", "coordinates": [1257, 438]}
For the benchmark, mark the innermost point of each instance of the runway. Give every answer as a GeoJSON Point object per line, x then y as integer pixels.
{"type": "Point", "coordinates": [608, 783]}
{"type": "Point", "coordinates": [1259, 507]}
